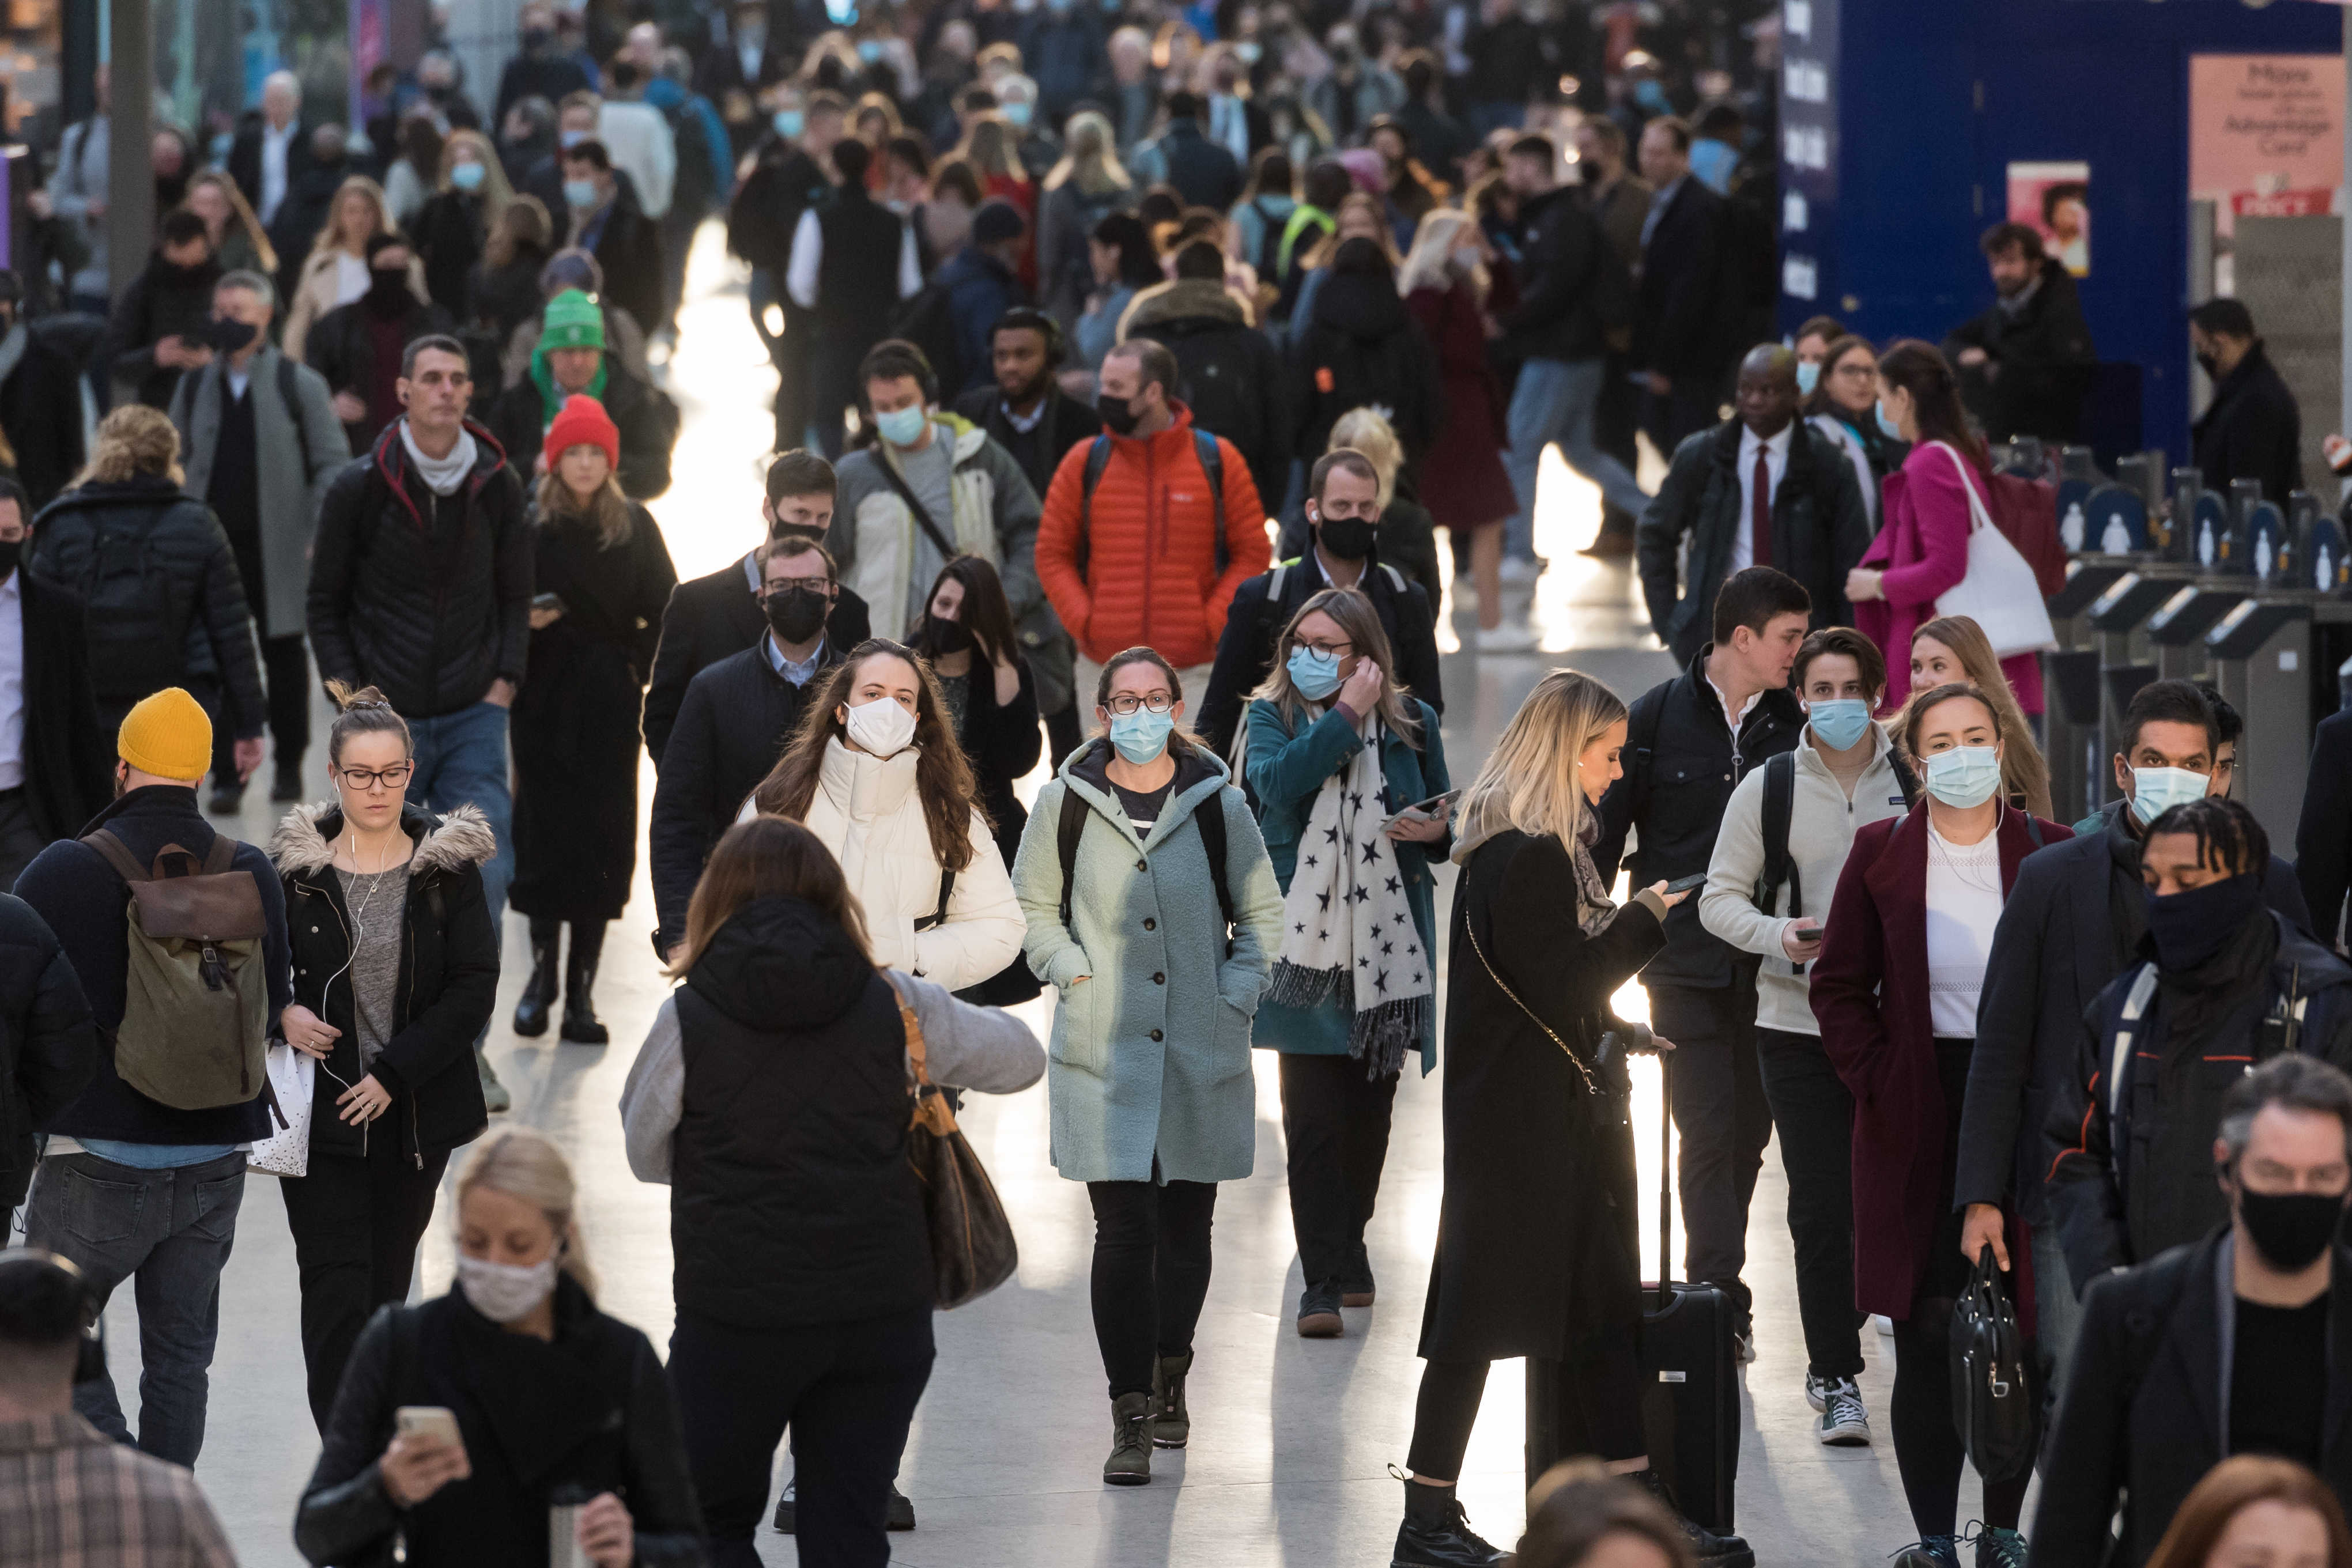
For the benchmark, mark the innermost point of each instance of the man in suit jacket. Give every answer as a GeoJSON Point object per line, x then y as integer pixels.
{"type": "Point", "coordinates": [1686, 311]}
{"type": "Point", "coordinates": [54, 776]}
{"type": "Point", "coordinates": [718, 616]}
{"type": "Point", "coordinates": [272, 150]}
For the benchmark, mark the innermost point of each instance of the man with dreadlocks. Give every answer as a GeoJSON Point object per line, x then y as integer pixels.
{"type": "Point", "coordinates": [2222, 985]}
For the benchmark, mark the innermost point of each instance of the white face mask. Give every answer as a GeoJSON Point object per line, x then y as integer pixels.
{"type": "Point", "coordinates": [882, 726]}
{"type": "Point", "coordinates": [505, 1291]}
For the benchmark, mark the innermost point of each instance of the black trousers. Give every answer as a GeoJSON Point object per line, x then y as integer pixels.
{"type": "Point", "coordinates": [1815, 1114]}
{"type": "Point", "coordinates": [1151, 1274]}
{"type": "Point", "coordinates": [794, 353]}
{"type": "Point", "coordinates": [1337, 1125]}
{"type": "Point", "coordinates": [833, 387]}
{"type": "Point", "coordinates": [848, 1390]}
{"type": "Point", "coordinates": [1724, 1123]}
{"type": "Point", "coordinates": [286, 672]}
{"type": "Point", "coordinates": [356, 1224]}
{"type": "Point", "coordinates": [1600, 1411]}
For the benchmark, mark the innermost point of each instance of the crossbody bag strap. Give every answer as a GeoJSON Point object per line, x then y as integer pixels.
{"type": "Point", "coordinates": [930, 1106]}
{"type": "Point", "coordinates": [1470, 929]}
{"type": "Point", "coordinates": [914, 508]}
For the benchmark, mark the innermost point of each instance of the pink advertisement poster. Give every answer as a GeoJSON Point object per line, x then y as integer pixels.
{"type": "Point", "coordinates": [2055, 200]}
{"type": "Point", "coordinates": [2266, 135]}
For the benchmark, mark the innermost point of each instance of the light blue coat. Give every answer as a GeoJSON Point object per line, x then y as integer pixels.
{"type": "Point", "coordinates": [1151, 1055]}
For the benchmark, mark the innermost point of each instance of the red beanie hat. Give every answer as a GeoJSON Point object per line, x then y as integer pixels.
{"type": "Point", "coordinates": [582, 422]}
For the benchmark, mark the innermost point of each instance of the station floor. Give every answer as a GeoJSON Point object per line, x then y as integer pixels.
{"type": "Point", "coordinates": [1292, 1439]}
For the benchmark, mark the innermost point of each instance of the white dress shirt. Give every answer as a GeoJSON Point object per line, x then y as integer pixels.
{"type": "Point", "coordinates": [1776, 465]}
{"type": "Point", "coordinates": [1229, 126]}
{"type": "Point", "coordinates": [808, 257]}
{"type": "Point", "coordinates": [274, 143]}
{"type": "Point", "coordinates": [12, 682]}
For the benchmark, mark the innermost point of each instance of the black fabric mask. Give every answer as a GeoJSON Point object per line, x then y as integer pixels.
{"type": "Point", "coordinates": [2291, 1229]}
{"type": "Point", "coordinates": [10, 550]}
{"type": "Point", "coordinates": [229, 335]}
{"type": "Point", "coordinates": [950, 636]}
{"type": "Point", "coordinates": [1349, 538]}
{"type": "Point", "coordinates": [388, 292]}
{"type": "Point", "coordinates": [2190, 927]}
{"type": "Point", "coordinates": [1118, 416]}
{"type": "Point", "coordinates": [796, 615]}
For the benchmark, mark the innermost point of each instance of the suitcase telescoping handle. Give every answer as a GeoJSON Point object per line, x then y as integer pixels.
{"type": "Point", "coordinates": [1665, 1177]}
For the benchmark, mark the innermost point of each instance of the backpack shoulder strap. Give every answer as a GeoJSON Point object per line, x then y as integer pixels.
{"type": "Point", "coordinates": [1906, 783]}
{"type": "Point", "coordinates": [939, 916]}
{"type": "Point", "coordinates": [1067, 830]}
{"type": "Point", "coordinates": [2133, 1015]}
{"type": "Point", "coordinates": [222, 856]}
{"type": "Point", "coordinates": [1213, 465]}
{"type": "Point", "coordinates": [1648, 713]}
{"type": "Point", "coordinates": [118, 856]}
{"type": "Point", "coordinates": [1210, 818]}
{"type": "Point", "coordinates": [1396, 578]}
{"type": "Point", "coordinates": [1779, 805]}
{"type": "Point", "coordinates": [915, 509]}
{"type": "Point", "coordinates": [1097, 460]}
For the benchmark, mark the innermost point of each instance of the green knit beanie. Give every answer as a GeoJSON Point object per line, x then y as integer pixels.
{"type": "Point", "coordinates": [573, 321]}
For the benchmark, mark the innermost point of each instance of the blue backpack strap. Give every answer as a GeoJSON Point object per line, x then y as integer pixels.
{"type": "Point", "coordinates": [1213, 465]}
{"type": "Point", "coordinates": [1097, 459]}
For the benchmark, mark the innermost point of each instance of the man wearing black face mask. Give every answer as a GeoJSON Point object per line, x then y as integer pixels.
{"type": "Point", "coordinates": [2231, 1345]}
{"type": "Point", "coordinates": [357, 347]}
{"type": "Point", "coordinates": [736, 718]}
{"type": "Point", "coordinates": [2222, 984]}
{"type": "Point", "coordinates": [1343, 510]}
{"type": "Point", "coordinates": [2252, 429]}
{"type": "Point", "coordinates": [156, 332]}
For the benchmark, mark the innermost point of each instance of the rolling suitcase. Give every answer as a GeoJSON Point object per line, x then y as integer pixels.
{"type": "Point", "coordinates": [1690, 1374]}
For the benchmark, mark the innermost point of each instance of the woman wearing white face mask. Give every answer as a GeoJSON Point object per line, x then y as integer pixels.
{"type": "Point", "coordinates": [876, 773]}
{"type": "Point", "coordinates": [1894, 992]}
{"type": "Point", "coordinates": [555, 1405]}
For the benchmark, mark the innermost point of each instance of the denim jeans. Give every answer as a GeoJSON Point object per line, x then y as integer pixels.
{"type": "Point", "coordinates": [169, 1231]}
{"type": "Point", "coordinates": [461, 760]}
{"type": "Point", "coordinates": [1555, 401]}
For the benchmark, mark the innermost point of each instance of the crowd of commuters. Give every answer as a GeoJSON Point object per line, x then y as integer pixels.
{"type": "Point", "coordinates": [1129, 361]}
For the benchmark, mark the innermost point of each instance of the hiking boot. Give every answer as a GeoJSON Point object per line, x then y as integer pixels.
{"type": "Point", "coordinates": [1712, 1550]}
{"type": "Point", "coordinates": [1844, 1422]}
{"type": "Point", "coordinates": [1436, 1533]}
{"type": "Point", "coordinates": [1996, 1547]}
{"type": "Point", "coordinates": [538, 992]}
{"type": "Point", "coordinates": [287, 785]}
{"type": "Point", "coordinates": [1930, 1552]}
{"type": "Point", "coordinates": [1318, 1312]}
{"type": "Point", "coordinates": [580, 1024]}
{"type": "Point", "coordinates": [1171, 1424]}
{"type": "Point", "coordinates": [1356, 1287]}
{"type": "Point", "coordinates": [495, 1097]}
{"type": "Point", "coordinates": [1130, 1464]}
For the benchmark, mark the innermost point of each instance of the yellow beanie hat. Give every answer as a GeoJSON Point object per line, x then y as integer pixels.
{"type": "Point", "coordinates": [168, 734]}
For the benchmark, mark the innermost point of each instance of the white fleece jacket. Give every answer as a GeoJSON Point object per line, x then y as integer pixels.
{"type": "Point", "coordinates": [1822, 825]}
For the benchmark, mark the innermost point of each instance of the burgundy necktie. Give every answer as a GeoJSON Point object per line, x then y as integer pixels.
{"type": "Point", "coordinates": [1760, 510]}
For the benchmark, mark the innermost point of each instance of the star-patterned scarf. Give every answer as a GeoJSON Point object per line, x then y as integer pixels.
{"type": "Point", "coordinates": [1348, 929]}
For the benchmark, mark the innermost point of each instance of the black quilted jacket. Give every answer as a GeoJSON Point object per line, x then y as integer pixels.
{"type": "Point", "coordinates": [164, 602]}
{"type": "Point", "coordinates": [424, 596]}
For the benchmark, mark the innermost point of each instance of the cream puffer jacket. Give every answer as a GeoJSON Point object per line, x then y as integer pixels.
{"type": "Point", "coordinates": [869, 814]}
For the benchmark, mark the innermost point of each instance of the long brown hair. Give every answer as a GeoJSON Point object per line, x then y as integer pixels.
{"type": "Point", "coordinates": [606, 512]}
{"type": "Point", "coordinates": [1355, 615]}
{"type": "Point", "coordinates": [767, 855]}
{"type": "Point", "coordinates": [240, 216]}
{"type": "Point", "coordinates": [524, 222]}
{"type": "Point", "coordinates": [2025, 774]}
{"type": "Point", "coordinates": [2236, 1484]}
{"type": "Point", "coordinates": [1920, 370]}
{"type": "Point", "coordinates": [942, 774]}
{"type": "Point", "coordinates": [1819, 401]}
{"type": "Point", "coordinates": [985, 610]}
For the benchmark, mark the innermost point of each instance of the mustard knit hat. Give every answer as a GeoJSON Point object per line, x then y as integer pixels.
{"type": "Point", "coordinates": [167, 735]}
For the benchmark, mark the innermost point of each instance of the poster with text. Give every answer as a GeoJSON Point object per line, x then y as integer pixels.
{"type": "Point", "coordinates": [2266, 135]}
{"type": "Point", "coordinates": [2055, 201]}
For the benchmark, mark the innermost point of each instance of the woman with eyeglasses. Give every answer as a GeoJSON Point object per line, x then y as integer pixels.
{"type": "Point", "coordinates": [1154, 912]}
{"type": "Point", "coordinates": [1336, 753]}
{"type": "Point", "coordinates": [1843, 404]}
{"type": "Point", "coordinates": [396, 972]}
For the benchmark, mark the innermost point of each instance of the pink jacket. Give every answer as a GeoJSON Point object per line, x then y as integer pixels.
{"type": "Point", "coordinates": [1923, 550]}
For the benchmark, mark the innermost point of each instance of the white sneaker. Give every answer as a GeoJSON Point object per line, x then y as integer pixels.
{"type": "Point", "coordinates": [1510, 637]}
{"type": "Point", "coordinates": [1844, 1422]}
{"type": "Point", "coordinates": [1882, 1322]}
{"type": "Point", "coordinates": [1518, 574]}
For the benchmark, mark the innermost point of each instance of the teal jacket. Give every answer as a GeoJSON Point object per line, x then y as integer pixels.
{"type": "Point", "coordinates": [1152, 1054]}
{"type": "Point", "coordinates": [1286, 771]}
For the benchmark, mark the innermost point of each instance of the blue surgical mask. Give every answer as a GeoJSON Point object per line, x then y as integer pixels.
{"type": "Point", "coordinates": [1016, 114]}
{"type": "Point", "coordinates": [1839, 722]}
{"type": "Point", "coordinates": [869, 50]}
{"type": "Point", "coordinates": [467, 176]}
{"type": "Point", "coordinates": [1142, 734]}
{"type": "Point", "coordinates": [901, 426]}
{"type": "Point", "coordinates": [2156, 790]}
{"type": "Point", "coordinates": [571, 138]}
{"type": "Point", "coordinates": [1886, 426]}
{"type": "Point", "coordinates": [1315, 672]}
{"type": "Point", "coordinates": [1249, 51]}
{"type": "Point", "coordinates": [580, 194]}
{"type": "Point", "coordinates": [1808, 376]}
{"type": "Point", "coordinates": [788, 123]}
{"type": "Point", "coordinates": [1963, 777]}
{"type": "Point", "coordinates": [1653, 97]}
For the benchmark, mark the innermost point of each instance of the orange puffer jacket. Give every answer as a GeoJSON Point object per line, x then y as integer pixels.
{"type": "Point", "coordinates": [1150, 577]}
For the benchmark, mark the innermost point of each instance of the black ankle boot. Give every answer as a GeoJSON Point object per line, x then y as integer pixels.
{"type": "Point", "coordinates": [287, 785]}
{"type": "Point", "coordinates": [1712, 1550]}
{"type": "Point", "coordinates": [538, 992]}
{"type": "Point", "coordinates": [580, 1025]}
{"type": "Point", "coordinates": [1436, 1533]}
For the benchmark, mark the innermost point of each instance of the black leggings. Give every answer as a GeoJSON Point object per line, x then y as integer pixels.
{"type": "Point", "coordinates": [1151, 1272]}
{"type": "Point", "coordinates": [1600, 1412]}
{"type": "Point", "coordinates": [1928, 1447]}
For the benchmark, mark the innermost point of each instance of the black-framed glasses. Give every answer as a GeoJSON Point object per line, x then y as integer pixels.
{"type": "Point", "coordinates": [1339, 649]}
{"type": "Point", "coordinates": [392, 778]}
{"type": "Point", "coordinates": [1127, 702]}
{"type": "Point", "coordinates": [776, 585]}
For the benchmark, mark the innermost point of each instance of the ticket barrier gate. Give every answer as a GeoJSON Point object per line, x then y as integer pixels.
{"type": "Point", "coordinates": [2275, 658]}
{"type": "Point", "coordinates": [2073, 725]}
{"type": "Point", "coordinates": [2106, 527]}
{"type": "Point", "coordinates": [2224, 547]}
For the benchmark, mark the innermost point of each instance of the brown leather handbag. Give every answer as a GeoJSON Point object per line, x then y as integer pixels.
{"type": "Point", "coordinates": [972, 1251]}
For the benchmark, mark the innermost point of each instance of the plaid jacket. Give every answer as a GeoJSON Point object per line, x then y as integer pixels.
{"type": "Point", "coordinates": [70, 1499]}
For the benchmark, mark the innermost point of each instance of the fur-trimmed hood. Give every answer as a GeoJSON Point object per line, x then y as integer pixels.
{"type": "Point", "coordinates": [303, 844]}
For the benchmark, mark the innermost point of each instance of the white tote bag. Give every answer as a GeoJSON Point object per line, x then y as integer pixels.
{"type": "Point", "coordinates": [2000, 591]}
{"type": "Point", "coordinates": [286, 1151]}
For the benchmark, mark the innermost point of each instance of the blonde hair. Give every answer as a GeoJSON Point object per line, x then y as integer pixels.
{"type": "Point", "coordinates": [1353, 613]}
{"type": "Point", "coordinates": [2025, 775]}
{"type": "Point", "coordinates": [991, 149]}
{"type": "Point", "coordinates": [1091, 159]}
{"type": "Point", "coordinates": [606, 512]}
{"type": "Point", "coordinates": [526, 1166]}
{"type": "Point", "coordinates": [1430, 263]}
{"type": "Point", "coordinates": [1367, 431]}
{"type": "Point", "coordinates": [1382, 236]}
{"type": "Point", "coordinates": [331, 233]}
{"type": "Point", "coordinates": [240, 216]}
{"type": "Point", "coordinates": [132, 440]}
{"type": "Point", "coordinates": [1530, 781]}
{"type": "Point", "coordinates": [496, 193]}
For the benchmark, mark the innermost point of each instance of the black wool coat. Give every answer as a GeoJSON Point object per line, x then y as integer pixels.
{"type": "Point", "coordinates": [340, 348]}
{"type": "Point", "coordinates": [2045, 355]}
{"type": "Point", "coordinates": [1536, 1251]}
{"type": "Point", "coordinates": [449, 976]}
{"type": "Point", "coordinates": [2323, 836]}
{"type": "Point", "coordinates": [40, 408]}
{"type": "Point", "coordinates": [2252, 429]}
{"type": "Point", "coordinates": [48, 1047]}
{"type": "Point", "coordinates": [67, 757]}
{"type": "Point", "coordinates": [715, 617]}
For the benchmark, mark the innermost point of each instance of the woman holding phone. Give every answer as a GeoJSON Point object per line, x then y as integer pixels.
{"type": "Point", "coordinates": [1537, 1254]}
{"type": "Point", "coordinates": [1336, 752]}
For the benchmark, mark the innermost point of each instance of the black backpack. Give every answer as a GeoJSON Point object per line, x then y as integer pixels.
{"type": "Point", "coordinates": [1269, 244]}
{"type": "Point", "coordinates": [1780, 804]}
{"type": "Point", "coordinates": [1212, 466]}
{"type": "Point", "coordinates": [1209, 817]}
{"type": "Point", "coordinates": [1215, 381]}
{"type": "Point", "coordinates": [928, 321]}
{"type": "Point", "coordinates": [138, 629]}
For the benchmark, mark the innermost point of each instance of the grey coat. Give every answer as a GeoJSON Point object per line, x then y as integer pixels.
{"type": "Point", "coordinates": [1151, 1055]}
{"type": "Point", "coordinates": [296, 465]}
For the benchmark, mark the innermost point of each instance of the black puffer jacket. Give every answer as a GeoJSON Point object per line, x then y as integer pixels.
{"type": "Point", "coordinates": [448, 976]}
{"type": "Point", "coordinates": [645, 416]}
{"type": "Point", "coordinates": [1363, 348]}
{"type": "Point", "coordinates": [48, 1047]}
{"type": "Point", "coordinates": [426, 597]}
{"type": "Point", "coordinates": [164, 603]}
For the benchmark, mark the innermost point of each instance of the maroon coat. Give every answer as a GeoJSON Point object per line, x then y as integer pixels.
{"type": "Point", "coordinates": [1870, 995]}
{"type": "Point", "coordinates": [1462, 479]}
